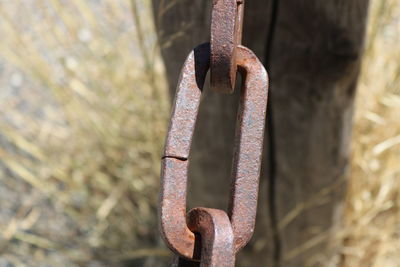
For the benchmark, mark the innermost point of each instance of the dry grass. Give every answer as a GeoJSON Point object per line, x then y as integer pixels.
{"type": "Point", "coordinates": [81, 142]}
{"type": "Point", "coordinates": [85, 131]}
{"type": "Point", "coordinates": [372, 232]}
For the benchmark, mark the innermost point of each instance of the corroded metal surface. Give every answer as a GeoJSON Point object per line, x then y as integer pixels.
{"type": "Point", "coordinates": [209, 237]}
{"type": "Point", "coordinates": [215, 239]}
{"type": "Point", "coordinates": [187, 101]}
{"type": "Point", "coordinates": [226, 35]}
{"type": "Point", "coordinates": [214, 227]}
{"type": "Point", "coordinates": [178, 232]}
{"type": "Point", "coordinates": [248, 146]}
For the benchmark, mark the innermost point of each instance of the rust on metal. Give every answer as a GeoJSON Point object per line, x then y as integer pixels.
{"type": "Point", "coordinates": [215, 239]}
{"type": "Point", "coordinates": [248, 146]}
{"type": "Point", "coordinates": [215, 230]}
{"type": "Point", "coordinates": [226, 35]}
{"type": "Point", "coordinates": [208, 237]}
{"type": "Point", "coordinates": [220, 237]}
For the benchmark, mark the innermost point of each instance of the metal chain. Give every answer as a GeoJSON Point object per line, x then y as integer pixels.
{"type": "Point", "coordinates": [226, 35]}
{"type": "Point", "coordinates": [210, 237]}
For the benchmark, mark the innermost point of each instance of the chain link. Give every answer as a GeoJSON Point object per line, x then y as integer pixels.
{"type": "Point", "coordinates": [209, 237]}
{"type": "Point", "coordinates": [226, 35]}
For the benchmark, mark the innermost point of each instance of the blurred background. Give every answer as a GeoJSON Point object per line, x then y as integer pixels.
{"type": "Point", "coordinates": [84, 109]}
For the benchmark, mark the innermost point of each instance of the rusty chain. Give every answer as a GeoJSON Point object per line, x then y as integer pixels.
{"type": "Point", "coordinates": [210, 237]}
{"type": "Point", "coordinates": [226, 35]}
